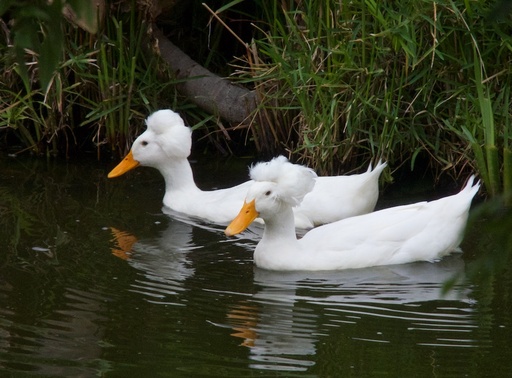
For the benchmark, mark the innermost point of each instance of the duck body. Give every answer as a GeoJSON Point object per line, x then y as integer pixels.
{"type": "Point", "coordinates": [183, 195]}
{"type": "Point", "coordinates": [424, 231]}
{"type": "Point", "coordinates": [340, 197]}
{"type": "Point", "coordinates": [166, 145]}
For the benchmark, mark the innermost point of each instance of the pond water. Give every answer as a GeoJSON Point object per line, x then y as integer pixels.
{"type": "Point", "coordinates": [96, 280]}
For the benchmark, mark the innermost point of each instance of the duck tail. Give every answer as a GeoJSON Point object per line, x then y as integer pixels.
{"type": "Point", "coordinates": [471, 189]}
{"type": "Point", "coordinates": [378, 168]}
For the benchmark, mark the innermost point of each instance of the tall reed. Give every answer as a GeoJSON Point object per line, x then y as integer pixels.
{"type": "Point", "coordinates": [126, 81]}
{"type": "Point", "coordinates": [99, 95]}
{"type": "Point", "coordinates": [342, 82]}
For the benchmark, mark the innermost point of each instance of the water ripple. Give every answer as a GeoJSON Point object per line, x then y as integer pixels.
{"type": "Point", "coordinates": [67, 342]}
{"type": "Point", "coordinates": [283, 322]}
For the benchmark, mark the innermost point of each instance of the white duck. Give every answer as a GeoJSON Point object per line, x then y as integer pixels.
{"type": "Point", "coordinates": [166, 144]}
{"type": "Point", "coordinates": [424, 231]}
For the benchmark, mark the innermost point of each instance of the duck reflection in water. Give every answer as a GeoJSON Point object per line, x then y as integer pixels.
{"type": "Point", "coordinates": [293, 312]}
{"type": "Point", "coordinates": [162, 259]}
{"type": "Point", "coordinates": [165, 260]}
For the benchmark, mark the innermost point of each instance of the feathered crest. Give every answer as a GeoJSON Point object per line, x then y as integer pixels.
{"type": "Point", "coordinates": [294, 181]}
{"type": "Point", "coordinates": [169, 127]}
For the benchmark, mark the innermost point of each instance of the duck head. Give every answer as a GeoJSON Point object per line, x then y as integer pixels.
{"type": "Point", "coordinates": [166, 138]}
{"type": "Point", "coordinates": [278, 184]}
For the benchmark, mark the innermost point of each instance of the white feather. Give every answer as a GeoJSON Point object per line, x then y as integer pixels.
{"type": "Point", "coordinates": [294, 181]}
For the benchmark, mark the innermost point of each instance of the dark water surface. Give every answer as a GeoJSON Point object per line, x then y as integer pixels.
{"type": "Point", "coordinates": [95, 280]}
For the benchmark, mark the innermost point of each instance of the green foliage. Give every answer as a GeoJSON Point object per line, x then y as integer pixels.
{"type": "Point", "coordinates": [103, 85]}
{"type": "Point", "coordinates": [488, 240]}
{"type": "Point", "coordinates": [38, 27]}
{"type": "Point", "coordinates": [340, 82]}
{"type": "Point", "coordinates": [128, 82]}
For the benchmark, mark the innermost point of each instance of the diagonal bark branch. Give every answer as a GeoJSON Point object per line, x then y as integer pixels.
{"type": "Point", "coordinates": [210, 92]}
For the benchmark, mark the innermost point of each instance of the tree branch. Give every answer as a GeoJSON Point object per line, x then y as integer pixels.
{"type": "Point", "coordinates": [210, 92]}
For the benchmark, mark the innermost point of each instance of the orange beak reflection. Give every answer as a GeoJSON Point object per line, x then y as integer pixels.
{"type": "Point", "coordinates": [124, 243]}
{"type": "Point", "coordinates": [127, 164]}
{"type": "Point", "coordinates": [244, 218]}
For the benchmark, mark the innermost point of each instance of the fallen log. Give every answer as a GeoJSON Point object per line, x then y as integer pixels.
{"type": "Point", "coordinates": [212, 93]}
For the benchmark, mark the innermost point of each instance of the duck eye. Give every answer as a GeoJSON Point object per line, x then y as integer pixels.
{"type": "Point", "coordinates": [268, 192]}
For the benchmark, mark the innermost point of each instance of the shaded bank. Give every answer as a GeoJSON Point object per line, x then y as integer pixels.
{"type": "Point", "coordinates": [427, 83]}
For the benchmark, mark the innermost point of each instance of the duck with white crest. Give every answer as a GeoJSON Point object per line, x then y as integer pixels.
{"type": "Point", "coordinates": [423, 231]}
{"type": "Point", "coordinates": [166, 145]}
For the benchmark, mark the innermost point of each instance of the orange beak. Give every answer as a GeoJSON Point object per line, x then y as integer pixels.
{"type": "Point", "coordinates": [127, 164]}
{"type": "Point", "coordinates": [244, 218]}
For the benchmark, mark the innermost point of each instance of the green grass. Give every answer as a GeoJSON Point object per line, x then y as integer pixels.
{"type": "Point", "coordinates": [341, 84]}
{"type": "Point", "coordinates": [97, 98]}
{"type": "Point", "coordinates": [422, 84]}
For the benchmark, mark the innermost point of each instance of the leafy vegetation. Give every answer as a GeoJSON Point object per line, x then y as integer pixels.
{"type": "Point", "coordinates": [403, 80]}
{"type": "Point", "coordinates": [103, 87]}
{"type": "Point", "coordinates": [423, 84]}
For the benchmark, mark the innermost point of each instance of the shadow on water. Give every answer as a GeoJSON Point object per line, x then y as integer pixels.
{"type": "Point", "coordinates": [97, 280]}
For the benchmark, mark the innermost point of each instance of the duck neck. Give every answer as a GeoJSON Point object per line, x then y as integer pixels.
{"type": "Point", "coordinates": [178, 175]}
{"type": "Point", "coordinates": [281, 226]}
